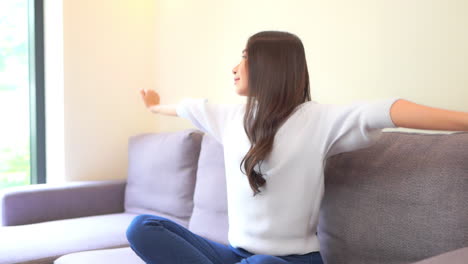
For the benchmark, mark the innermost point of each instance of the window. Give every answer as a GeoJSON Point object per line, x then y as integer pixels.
{"type": "Point", "coordinates": [22, 130]}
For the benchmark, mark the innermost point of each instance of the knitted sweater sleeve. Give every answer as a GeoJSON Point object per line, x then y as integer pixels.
{"type": "Point", "coordinates": [357, 125]}
{"type": "Point", "coordinates": [209, 117]}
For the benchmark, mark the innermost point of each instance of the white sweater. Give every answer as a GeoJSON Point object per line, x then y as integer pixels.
{"type": "Point", "coordinates": [282, 219]}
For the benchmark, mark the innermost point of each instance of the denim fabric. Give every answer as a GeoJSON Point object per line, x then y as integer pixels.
{"type": "Point", "coordinates": [158, 240]}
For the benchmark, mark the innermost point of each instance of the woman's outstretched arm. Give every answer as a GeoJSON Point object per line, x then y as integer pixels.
{"type": "Point", "coordinates": [411, 115]}
{"type": "Point", "coordinates": [208, 117]}
{"type": "Point", "coordinates": [152, 102]}
{"type": "Point", "coordinates": [168, 109]}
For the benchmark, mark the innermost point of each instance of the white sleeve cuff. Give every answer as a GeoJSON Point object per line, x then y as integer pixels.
{"type": "Point", "coordinates": [379, 113]}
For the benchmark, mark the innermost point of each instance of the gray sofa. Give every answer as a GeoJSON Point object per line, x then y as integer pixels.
{"type": "Point", "coordinates": [402, 200]}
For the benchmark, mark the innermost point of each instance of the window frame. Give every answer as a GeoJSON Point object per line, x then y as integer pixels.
{"type": "Point", "coordinates": [36, 92]}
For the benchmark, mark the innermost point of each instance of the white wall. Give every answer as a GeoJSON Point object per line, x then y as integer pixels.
{"type": "Point", "coordinates": [356, 50]}
{"type": "Point", "coordinates": [54, 91]}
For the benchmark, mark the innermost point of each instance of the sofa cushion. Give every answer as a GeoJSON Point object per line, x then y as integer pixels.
{"type": "Point", "coordinates": [45, 242]}
{"type": "Point", "coordinates": [398, 201]}
{"type": "Point", "coordinates": [458, 256]}
{"type": "Point", "coordinates": [115, 256]}
{"type": "Point", "coordinates": [161, 174]}
{"type": "Point", "coordinates": [209, 217]}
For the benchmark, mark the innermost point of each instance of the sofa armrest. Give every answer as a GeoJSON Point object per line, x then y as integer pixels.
{"type": "Point", "coordinates": [458, 256]}
{"type": "Point", "coordinates": [46, 202]}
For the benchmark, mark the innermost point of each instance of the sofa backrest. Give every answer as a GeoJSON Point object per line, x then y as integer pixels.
{"type": "Point", "coordinates": [209, 217]}
{"type": "Point", "coordinates": [398, 201]}
{"type": "Point", "coordinates": [401, 200]}
{"type": "Point", "coordinates": [162, 171]}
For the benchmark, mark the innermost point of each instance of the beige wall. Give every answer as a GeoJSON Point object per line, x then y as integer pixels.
{"type": "Point", "coordinates": [108, 54]}
{"type": "Point", "coordinates": [356, 50]}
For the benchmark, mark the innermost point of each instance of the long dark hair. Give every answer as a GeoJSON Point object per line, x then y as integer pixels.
{"type": "Point", "coordinates": [278, 82]}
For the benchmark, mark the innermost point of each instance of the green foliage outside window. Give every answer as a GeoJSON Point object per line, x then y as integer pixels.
{"type": "Point", "coordinates": [14, 94]}
{"type": "Point", "coordinates": [14, 167]}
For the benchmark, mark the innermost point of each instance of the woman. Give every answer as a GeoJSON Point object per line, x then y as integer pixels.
{"type": "Point", "coordinates": [275, 148]}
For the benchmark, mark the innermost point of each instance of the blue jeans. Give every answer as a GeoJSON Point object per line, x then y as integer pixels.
{"type": "Point", "coordinates": [158, 240]}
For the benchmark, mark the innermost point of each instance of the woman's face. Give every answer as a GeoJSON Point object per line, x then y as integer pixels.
{"type": "Point", "coordinates": [241, 78]}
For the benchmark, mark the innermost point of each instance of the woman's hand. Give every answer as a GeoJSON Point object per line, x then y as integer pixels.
{"type": "Point", "coordinates": [150, 97]}
{"type": "Point", "coordinates": [152, 102]}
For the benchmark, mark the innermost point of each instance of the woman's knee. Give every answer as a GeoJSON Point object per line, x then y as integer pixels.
{"type": "Point", "coordinates": [263, 259]}
{"type": "Point", "coordinates": [139, 225]}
